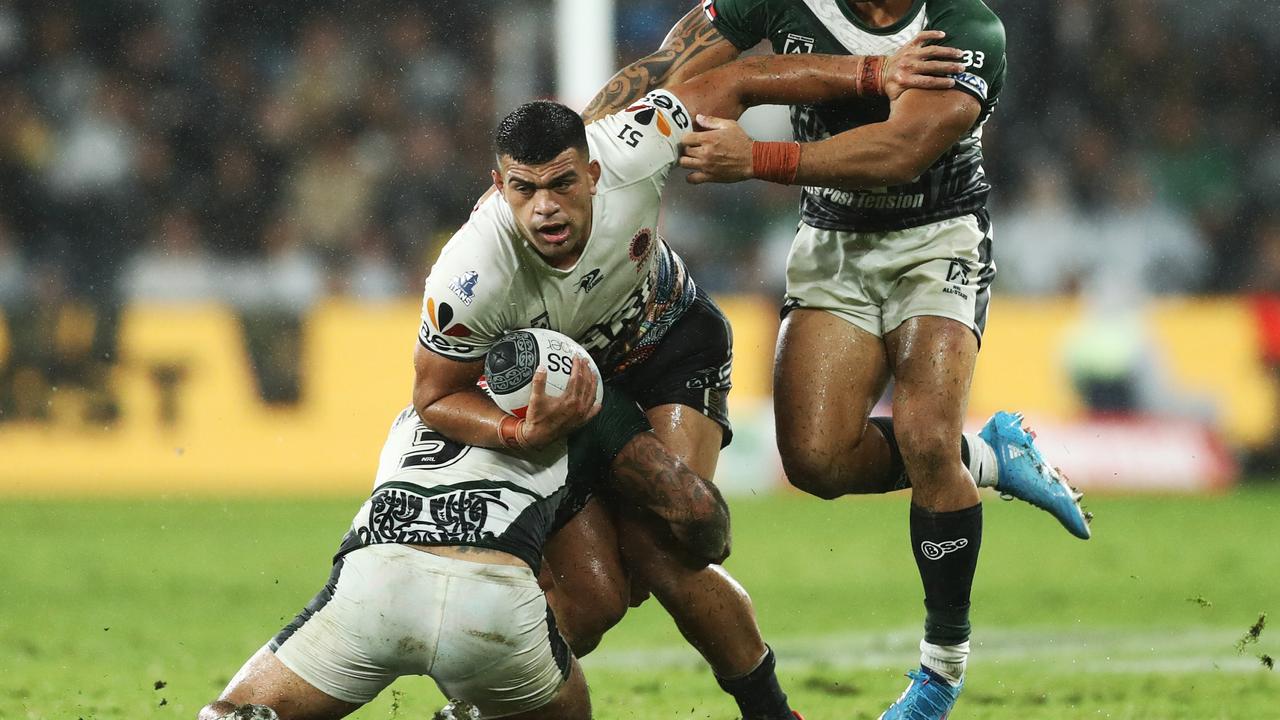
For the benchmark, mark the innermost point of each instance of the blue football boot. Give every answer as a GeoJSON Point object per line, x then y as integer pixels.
{"type": "Point", "coordinates": [1023, 473]}
{"type": "Point", "coordinates": [928, 697]}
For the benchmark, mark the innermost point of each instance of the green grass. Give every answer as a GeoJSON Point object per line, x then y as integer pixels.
{"type": "Point", "coordinates": [102, 601]}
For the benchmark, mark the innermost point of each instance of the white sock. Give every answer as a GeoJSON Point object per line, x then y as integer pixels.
{"type": "Point", "coordinates": [982, 461]}
{"type": "Point", "coordinates": [947, 660]}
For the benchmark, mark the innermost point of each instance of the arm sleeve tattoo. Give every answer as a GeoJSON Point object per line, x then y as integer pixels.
{"type": "Point", "coordinates": [684, 53]}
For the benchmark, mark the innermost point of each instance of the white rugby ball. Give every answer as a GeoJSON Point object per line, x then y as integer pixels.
{"type": "Point", "coordinates": [512, 361]}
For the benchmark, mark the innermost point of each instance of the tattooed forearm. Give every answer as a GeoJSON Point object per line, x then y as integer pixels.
{"type": "Point", "coordinates": [693, 46]}
{"type": "Point", "coordinates": [647, 475]}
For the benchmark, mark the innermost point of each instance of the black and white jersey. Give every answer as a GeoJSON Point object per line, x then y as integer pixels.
{"type": "Point", "coordinates": [430, 490]}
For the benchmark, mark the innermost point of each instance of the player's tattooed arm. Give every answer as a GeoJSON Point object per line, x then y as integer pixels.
{"type": "Point", "coordinates": [646, 474]}
{"type": "Point", "coordinates": [693, 46]}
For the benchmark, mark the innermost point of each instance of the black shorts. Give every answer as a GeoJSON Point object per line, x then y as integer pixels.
{"type": "Point", "coordinates": [690, 366]}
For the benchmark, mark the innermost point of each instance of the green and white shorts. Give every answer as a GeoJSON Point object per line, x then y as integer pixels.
{"type": "Point", "coordinates": [878, 280]}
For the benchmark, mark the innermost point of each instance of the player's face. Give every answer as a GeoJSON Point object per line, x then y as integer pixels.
{"type": "Point", "coordinates": [552, 202]}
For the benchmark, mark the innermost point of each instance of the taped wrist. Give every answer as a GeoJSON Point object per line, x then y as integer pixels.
{"type": "Point", "coordinates": [511, 432]}
{"type": "Point", "coordinates": [775, 161]}
{"type": "Point", "coordinates": [869, 78]}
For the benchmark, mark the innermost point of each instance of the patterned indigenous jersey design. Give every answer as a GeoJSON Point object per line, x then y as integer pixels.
{"type": "Point", "coordinates": [955, 185]}
{"type": "Point", "coordinates": [626, 289]}
{"type": "Point", "coordinates": [433, 491]}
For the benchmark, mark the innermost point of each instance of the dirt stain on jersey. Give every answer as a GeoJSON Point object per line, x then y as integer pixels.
{"type": "Point", "coordinates": [495, 638]}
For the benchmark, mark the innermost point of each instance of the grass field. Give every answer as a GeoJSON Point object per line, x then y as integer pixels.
{"type": "Point", "coordinates": [115, 609]}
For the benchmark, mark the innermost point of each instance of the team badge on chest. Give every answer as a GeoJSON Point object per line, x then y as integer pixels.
{"type": "Point", "coordinates": [641, 245]}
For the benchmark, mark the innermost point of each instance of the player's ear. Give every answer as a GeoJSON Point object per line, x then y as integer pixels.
{"type": "Point", "coordinates": [497, 179]}
{"type": "Point", "coordinates": [593, 169]}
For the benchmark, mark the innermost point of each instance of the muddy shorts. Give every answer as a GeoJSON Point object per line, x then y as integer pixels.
{"type": "Point", "coordinates": [483, 632]}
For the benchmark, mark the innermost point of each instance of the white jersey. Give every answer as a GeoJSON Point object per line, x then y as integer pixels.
{"type": "Point", "coordinates": [430, 490]}
{"type": "Point", "coordinates": [625, 290]}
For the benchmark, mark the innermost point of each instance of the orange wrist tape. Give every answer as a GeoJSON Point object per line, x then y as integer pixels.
{"type": "Point", "coordinates": [511, 432]}
{"type": "Point", "coordinates": [775, 161]}
{"type": "Point", "coordinates": [869, 80]}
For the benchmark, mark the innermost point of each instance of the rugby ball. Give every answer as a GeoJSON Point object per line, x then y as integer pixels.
{"type": "Point", "coordinates": [512, 361]}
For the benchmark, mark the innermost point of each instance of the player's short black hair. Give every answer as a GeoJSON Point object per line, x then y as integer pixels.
{"type": "Point", "coordinates": [538, 131]}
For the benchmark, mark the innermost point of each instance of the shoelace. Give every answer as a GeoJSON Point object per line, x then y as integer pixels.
{"type": "Point", "coordinates": [923, 704]}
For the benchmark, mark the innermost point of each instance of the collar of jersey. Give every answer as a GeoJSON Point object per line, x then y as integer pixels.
{"type": "Point", "coordinates": [887, 30]}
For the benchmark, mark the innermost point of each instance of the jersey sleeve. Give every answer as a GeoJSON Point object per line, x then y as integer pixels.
{"type": "Point", "coordinates": [973, 28]}
{"type": "Point", "coordinates": [642, 141]}
{"type": "Point", "coordinates": [462, 303]}
{"type": "Point", "coordinates": [741, 22]}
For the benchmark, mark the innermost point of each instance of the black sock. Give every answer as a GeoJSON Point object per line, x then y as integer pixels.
{"type": "Point", "coordinates": [757, 693]}
{"type": "Point", "coordinates": [946, 549]}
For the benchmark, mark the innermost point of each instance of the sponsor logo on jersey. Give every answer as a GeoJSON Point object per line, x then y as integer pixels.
{"type": "Point", "coordinates": [441, 318]}
{"type": "Point", "coordinates": [869, 200]}
{"type": "Point", "coordinates": [974, 83]}
{"type": "Point", "coordinates": [654, 109]}
{"type": "Point", "coordinates": [709, 9]}
{"type": "Point", "coordinates": [464, 286]}
{"type": "Point", "coordinates": [935, 551]}
{"type": "Point", "coordinates": [797, 44]}
{"type": "Point", "coordinates": [645, 114]}
{"type": "Point", "coordinates": [438, 330]}
{"type": "Point", "coordinates": [641, 245]}
{"type": "Point", "coordinates": [588, 281]}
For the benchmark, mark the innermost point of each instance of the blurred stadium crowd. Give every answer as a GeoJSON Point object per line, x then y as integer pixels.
{"type": "Point", "coordinates": [270, 153]}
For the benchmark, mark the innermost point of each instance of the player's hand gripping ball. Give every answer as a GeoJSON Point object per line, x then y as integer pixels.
{"type": "Point", "coordinates": [510, 365]}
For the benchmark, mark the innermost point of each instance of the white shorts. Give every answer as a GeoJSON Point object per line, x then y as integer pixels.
{"type": "Point", "coordinates": [482, 632]}
{"type": "Point", "coordinates": [878, 280]}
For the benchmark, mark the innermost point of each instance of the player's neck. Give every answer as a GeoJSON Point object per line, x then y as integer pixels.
{"type": "Point", "coordinates": [880, 13]}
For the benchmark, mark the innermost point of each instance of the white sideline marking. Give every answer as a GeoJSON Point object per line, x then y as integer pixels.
{"type": "Point", "coordinates": [1094, 650]}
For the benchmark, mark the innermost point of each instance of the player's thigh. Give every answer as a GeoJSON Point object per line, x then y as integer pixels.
{"type": "Point", "coordinates": [689, 435]}
{"type": "Point", "coordinates": [933, 361]}
{"type": "Point", "coordinates": [264, 680]}
{"type": "Point", "coordinates": [571, 702]}
{"type": "Point", "coordinates": [586, 566]}
{"type": "Point", "coordinates": [683, 385]}
{"type": "Point", "coordinates": [828, 375]}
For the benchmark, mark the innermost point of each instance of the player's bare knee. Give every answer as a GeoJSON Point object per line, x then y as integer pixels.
{"type": "Point", "coordinates": [812, 471]}
{"type": "Point", "coordinates": [215, 710]}
{"type": "Point", "coordinates": [810, 466]}
{"type": "Point", "coordinates": [927, 451]}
